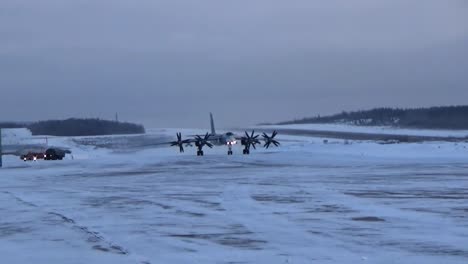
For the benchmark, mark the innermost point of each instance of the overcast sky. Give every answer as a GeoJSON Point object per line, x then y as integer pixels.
{"type": "Point", "coordinates": [170, 62]}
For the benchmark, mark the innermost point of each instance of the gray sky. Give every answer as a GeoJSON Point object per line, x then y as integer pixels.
{"type": "Point", "coordinates": [169, 63]}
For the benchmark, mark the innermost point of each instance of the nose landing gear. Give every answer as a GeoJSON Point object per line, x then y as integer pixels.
{"type": "Point", "coordinates": [229, 149]}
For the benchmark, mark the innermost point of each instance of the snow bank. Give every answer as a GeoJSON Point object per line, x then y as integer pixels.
{"type": "Point", "coordinates": [15, 135]}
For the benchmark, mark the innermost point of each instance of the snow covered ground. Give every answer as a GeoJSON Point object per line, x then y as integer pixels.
{"type": "Point", "coordinates": [16, 135]}
{"type": "Point", "coordinates": [306, 202]}
{"type": "Point", "coordinates": [20, 141]}
{"type": "Point", "coordinates": [375, 130]}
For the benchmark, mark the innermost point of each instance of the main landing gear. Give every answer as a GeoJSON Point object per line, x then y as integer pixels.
{"type": "Point", "coordinates": [249, 141]}
{"type": "Point", "coordinates": [200, 142]}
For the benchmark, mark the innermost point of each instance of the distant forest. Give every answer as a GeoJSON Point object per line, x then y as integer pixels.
{"type": "Point", "coordinates": [12, 125]}
{"type": "Point", "coordinates": [447, 117]}
{"type": "Point", "coordinates": [77, 127]}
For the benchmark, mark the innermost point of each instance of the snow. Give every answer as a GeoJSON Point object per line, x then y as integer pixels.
{"type": "Point", "coordinates": [305, 202]}
{"type": "Point", "coordinates": [15, 135]}
{"type": "Point", "coordinates": [374, 130]}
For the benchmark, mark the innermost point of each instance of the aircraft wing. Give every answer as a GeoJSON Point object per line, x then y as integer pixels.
{"type": "Point", "coordinates": [193, 138]}
{"type": "Point", "coordinates": [253, 138]}
{"type": "Point", "coordinates": [214, 137]}
{"type": "Point", "coordinates": [187, 141]}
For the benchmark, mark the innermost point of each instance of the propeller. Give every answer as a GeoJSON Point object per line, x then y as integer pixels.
{"type": "Point", "coordinates": [270, 140]}
{"type": "Point", "coordinates": [203, 141]}
{"type": "Point", "coordinates": [180, 142]}
{"type": "Point", "coordinates": [250, 140]}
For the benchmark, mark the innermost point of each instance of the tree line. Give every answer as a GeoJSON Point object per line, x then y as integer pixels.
{"type": "Point", "coordinates": [444, 117]}
{"type": "Point", "coordinates": [12, 125]}
{"type": "Point", "coordinates": [78, 127]}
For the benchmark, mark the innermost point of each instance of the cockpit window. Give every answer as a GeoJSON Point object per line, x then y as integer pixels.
{"type": "Point", "coordinates": [229, 134]}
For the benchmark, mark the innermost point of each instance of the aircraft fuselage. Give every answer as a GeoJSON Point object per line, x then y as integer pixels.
{"type": "Point", "coordinates": [223, 139]}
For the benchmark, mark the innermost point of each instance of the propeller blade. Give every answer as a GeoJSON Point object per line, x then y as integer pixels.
{"type": "Point", "coordinates": [270, 140]}
{"type": "Point", "coordinates": [179, 142]}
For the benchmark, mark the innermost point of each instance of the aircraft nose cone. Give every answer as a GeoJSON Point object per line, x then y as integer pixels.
{"type": "Point", "coordinates": [232, 140]}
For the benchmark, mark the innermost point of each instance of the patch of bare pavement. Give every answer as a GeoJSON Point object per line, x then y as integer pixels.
{"type": "Point", "coordinates": [369, 219]}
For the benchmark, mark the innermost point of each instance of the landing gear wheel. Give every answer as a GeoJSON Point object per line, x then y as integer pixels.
{"type": "Point", "coordinates": [246, 152]}
{"type": "Point", "coordinates": [229, 152]}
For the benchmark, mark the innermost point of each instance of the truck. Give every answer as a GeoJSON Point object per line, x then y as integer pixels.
{"type": "Point", "coordinates": [54, 154]}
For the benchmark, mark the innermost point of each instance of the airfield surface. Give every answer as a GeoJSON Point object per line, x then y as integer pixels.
{"type": "Point", "coordinates": [120, 200]}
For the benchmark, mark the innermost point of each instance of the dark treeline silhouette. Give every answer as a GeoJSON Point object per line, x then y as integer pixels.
{"type": "Point", "coordinates": [78, 127]}
{"type": "Point", "coordinates": [446, 117]}
{"type": "Point", "coordinates": [12, 125]}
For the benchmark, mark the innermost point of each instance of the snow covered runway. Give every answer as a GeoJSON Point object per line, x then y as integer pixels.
{"type": "Point", "coordinates": [306, 202]}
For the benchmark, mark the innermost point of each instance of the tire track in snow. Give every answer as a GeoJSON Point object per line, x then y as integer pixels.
{"type": "Point", "coordinates": [93, 237]}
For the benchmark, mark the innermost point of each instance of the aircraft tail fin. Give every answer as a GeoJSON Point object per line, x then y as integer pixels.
{"type": "Point", "coordinates": [213, 131]}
